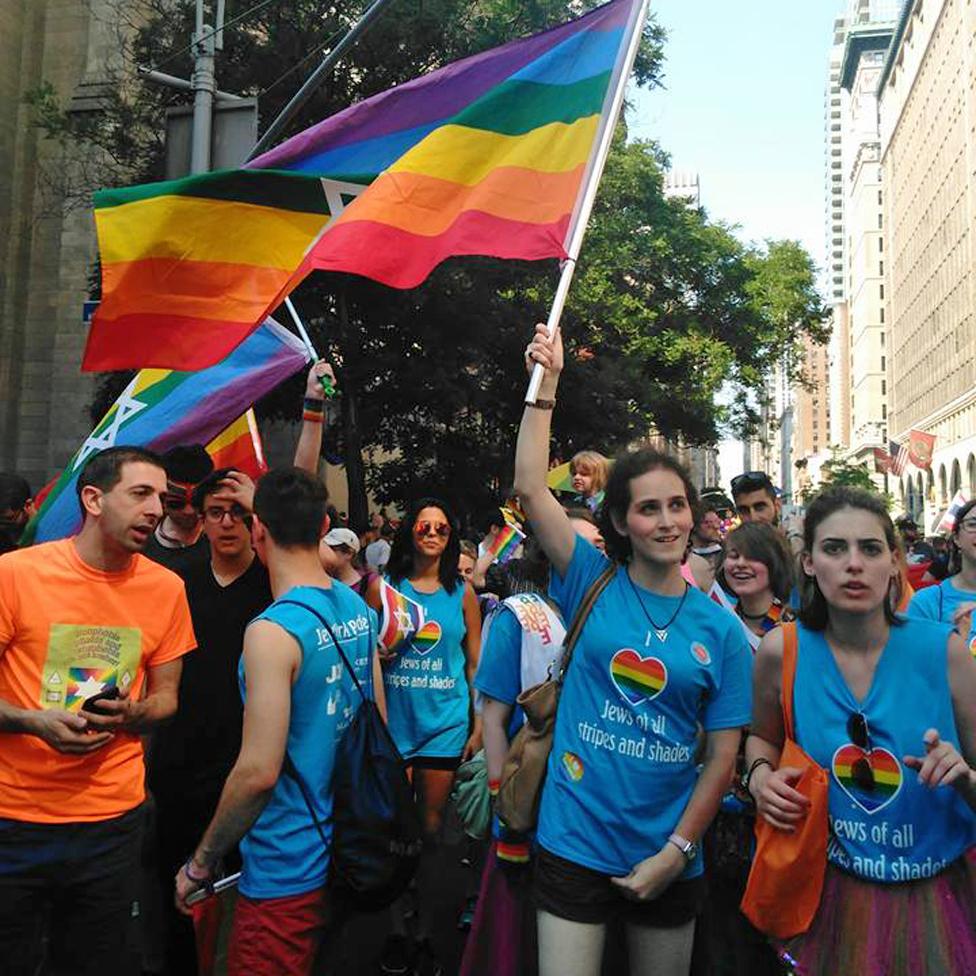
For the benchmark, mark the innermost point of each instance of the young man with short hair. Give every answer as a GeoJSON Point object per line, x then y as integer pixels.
{"type": "Point", "coordinates": [192, 756]}
{"type": "Point", "coordinates": [755, 498]}
{"type": "Point", "coordinates": [82, 619]}
{"type": "Point", "coordinates": [298, 699]}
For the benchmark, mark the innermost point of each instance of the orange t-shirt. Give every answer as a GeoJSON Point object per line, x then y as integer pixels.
{"type": "Point", "coordinates": [67, 631]}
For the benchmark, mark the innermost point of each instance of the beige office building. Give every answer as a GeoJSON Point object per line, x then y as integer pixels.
{"type": "Point", "coordinates": [927, 103]}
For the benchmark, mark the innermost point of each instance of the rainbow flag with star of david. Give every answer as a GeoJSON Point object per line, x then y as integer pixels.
{"type": "Point", "coordinates": [401, 617]}
{"type": "Point", "coordinates": [161, 408]}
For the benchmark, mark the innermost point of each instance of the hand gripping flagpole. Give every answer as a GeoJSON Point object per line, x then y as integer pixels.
{"type": "Point", "coordinates": [594, 171]}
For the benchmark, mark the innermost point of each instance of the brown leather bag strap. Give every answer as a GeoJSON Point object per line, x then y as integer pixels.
{"type": "Point", "coordinates": [789, 677]}
{"type": "Point", "coordinates": [582, 612]}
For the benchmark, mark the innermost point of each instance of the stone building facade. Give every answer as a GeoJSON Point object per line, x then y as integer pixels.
{"type": "Point", "coordinates": [927, 104]}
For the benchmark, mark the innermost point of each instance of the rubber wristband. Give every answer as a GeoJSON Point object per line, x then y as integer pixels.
{"type": "Point", "coordinates": [314, 404]}
{"type": "Point", "coordinates": [493, 785]}
{"type": "Point", "coordinates": [747, 779]}
{"type": "Point", "coordinates": [311, 417]}
{"type": "Point", "coordinates": [542, 405]}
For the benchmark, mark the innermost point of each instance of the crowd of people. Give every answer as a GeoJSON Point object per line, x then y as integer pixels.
{"type": "Point", "coordinates": [177, 678]}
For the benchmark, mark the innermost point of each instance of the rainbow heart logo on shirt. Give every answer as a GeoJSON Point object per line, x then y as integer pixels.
{"type": "Point", "coordinates": [871, 779]}
{"type": "Point", "coordinates": [573, 766]}
{"type": "Point", "coordinates": [638, 679]}
{"type": "Point", "coordinates": [427, 638]}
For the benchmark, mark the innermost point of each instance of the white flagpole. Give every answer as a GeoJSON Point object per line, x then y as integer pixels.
{"type": "Point", "coordinates": [303, 335]}
{"type": "Point", "coordinates": [598, 159]}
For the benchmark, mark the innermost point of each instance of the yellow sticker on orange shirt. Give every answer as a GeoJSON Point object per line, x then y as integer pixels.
{"type": "Point", "coordinates": [83, 661]}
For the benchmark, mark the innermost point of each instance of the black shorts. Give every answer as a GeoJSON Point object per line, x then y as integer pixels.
{"type": "Point", "coordinates": [579, 894]}
{"type": "Point", "coordinates": [447, 763]}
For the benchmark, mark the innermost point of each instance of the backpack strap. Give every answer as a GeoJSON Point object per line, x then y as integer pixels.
{"type": "Point", "coordinates": [332, 637]}
{"type": "Point", "coordinates": [288, 766]}
{"type": "Point", "coordinates": [582, 612]}
{"type": "Point", "coordinates": [790, 647]}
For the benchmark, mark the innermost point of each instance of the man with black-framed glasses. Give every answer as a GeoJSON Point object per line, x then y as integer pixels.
{"type": "Point", "coordinates": [192, 756]}
{"type": "Point", "coordinates": [755, 498]}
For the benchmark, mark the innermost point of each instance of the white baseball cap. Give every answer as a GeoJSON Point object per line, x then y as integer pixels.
{"type": "Point", "coordinates": [341, 536]}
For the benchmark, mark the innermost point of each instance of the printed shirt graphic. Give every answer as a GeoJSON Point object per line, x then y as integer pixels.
{"type": "Point", "coordinates": [927, 603]}
{"type": "Point", "coordinates": [885, 826]}
{"type": "Point", "coordinates": [67, 632]}
{"type": "Point", "coordinates": [622, 766]}
{"type": "Point", "coordinates": [427, 696]}
{"type": "Point", "coordinates": [283, 853]}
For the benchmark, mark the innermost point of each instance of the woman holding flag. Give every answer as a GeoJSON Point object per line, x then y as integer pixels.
{"type": "Point", "coordinates": [429, 682]}
{"type": "Point", "coordinates": [624, 806]}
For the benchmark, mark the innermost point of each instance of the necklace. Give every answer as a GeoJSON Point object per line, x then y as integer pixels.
{"type": "Point", "coordinates": [753, 616]}
{"type": "Point", "coordinates": [660, 632]}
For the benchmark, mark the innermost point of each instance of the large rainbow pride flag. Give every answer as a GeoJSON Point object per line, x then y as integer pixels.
{"type": "Point", "coordinates": [484, 156]}
{"type": "Point", "coordinates": [161, 408]}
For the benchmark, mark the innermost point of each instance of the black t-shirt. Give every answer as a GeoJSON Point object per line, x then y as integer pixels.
{"type": "Point", "coordinates": [197, 749]}
{"type": "Point", "coordinates": [180, 559]}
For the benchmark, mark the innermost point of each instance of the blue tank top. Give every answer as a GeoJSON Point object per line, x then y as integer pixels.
{"type": "Point", "coordinates": [884, 825]}
{"type": "Point", "coordinates": [283, 853]}
{"type": "Point", "coordinates": [427, 696]}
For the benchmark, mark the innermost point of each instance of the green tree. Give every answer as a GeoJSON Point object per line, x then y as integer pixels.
{"type": "Point", "coordinates": [841, 471]}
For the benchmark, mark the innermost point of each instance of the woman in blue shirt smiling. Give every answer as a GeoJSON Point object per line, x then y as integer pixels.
{"type": "Point", "coordinates": [624, 806]}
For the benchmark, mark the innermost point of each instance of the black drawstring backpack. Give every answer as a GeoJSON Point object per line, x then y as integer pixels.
{"type": "Point", "coordinates": [376, 830]}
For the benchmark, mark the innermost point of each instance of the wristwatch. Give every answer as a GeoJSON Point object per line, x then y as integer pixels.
{"type": "Point", "coordinates": [687, 847]}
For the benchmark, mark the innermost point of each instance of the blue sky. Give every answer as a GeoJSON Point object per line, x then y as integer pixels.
{"type": "Point", "coordinates": [742, 105]}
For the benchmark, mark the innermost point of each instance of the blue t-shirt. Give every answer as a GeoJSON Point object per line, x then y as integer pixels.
{"type": "Point", "coordinates": [622, 767]}
{"type": "Point", "coordinates": [940, 602]}
{"type": "Point", "coordinates": [283, 853]}
{"type": "Point", "coordinates": [885, 826]}
{"type": "Point", "coordinates": [427, 696]}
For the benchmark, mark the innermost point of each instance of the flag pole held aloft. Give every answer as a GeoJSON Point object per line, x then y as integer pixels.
{"type": "Point", "coordinates": [594, 172]}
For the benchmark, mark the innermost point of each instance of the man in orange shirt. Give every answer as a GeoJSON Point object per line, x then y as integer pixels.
{"type": "Point", "coordinates": [80, 619]}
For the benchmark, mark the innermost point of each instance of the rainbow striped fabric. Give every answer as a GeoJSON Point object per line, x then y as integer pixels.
{"type": "Point", "coordinates": [240, 447]}
{"type": "Point", "coordinates": [484, 156]}
{"type": "Point", "coordinates": [160, 409]}
{"type": "Point", "coordinates": [505, 544]}
{"type": "Point", "coordinates": [401, 618]}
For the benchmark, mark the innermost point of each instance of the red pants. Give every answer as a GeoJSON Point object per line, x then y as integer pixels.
{"type": "Point", "coordinates": [277, 936]}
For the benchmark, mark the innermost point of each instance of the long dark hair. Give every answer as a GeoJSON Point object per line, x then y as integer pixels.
{"type": "Point", "coordinates": [955, 556]}
{"type": "Point", "coordinates": [814, 611]}
{"type": "Point", "coordinates": [616, 499]}
{"type": "Point", "coordinates": [766, 545]}
{"type": "Point", "coordinates": [401, 566]}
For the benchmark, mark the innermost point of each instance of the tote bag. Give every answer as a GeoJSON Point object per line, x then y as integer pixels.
{"type": "Point", "coordinates": [786, 880]}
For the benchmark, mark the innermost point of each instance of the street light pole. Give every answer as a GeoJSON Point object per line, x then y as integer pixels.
{"type": "Point", "coordinates": [204, 86]}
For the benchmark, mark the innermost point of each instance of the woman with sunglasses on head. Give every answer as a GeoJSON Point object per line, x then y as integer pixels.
{"type": "Point", "coordinates": [429, 693]}
{"type": "Point", "coordinates": [887, 706]}
{"type": "Point", "coordinates": [624, 805]}
{"type": "Point", "coordinates": [954, 599]}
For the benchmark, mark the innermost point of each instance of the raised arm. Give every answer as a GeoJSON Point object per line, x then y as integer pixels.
{"type": "Point", "coordinates": [549, 521]}
{"type": "Point", "coordinates": [309, 447]}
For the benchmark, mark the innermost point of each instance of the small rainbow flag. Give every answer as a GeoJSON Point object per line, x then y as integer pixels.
{"type": "Point", "coordinates": [504, 546]}
{"type": "Point", "coordinates": [483, 156]}
{"type": "Point", "coordinates": [240, 447]}
{"type": "Point", "coordinates": [401, 619]}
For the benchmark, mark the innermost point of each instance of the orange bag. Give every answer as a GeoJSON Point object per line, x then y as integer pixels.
{"type": "Point", "coordinates": [786, 880]}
